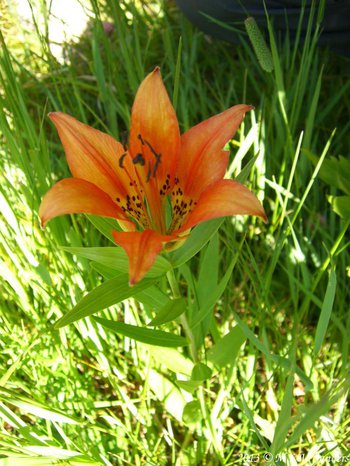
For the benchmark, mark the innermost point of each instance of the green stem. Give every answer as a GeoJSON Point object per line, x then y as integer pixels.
{"type": "Point", "coordinates": [183, 319]}
{"type": "Point", "coordinates": [194, 355]}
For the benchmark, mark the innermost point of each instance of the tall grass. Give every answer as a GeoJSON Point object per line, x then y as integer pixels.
{"type": "Point", "coordinates": [84, 396]}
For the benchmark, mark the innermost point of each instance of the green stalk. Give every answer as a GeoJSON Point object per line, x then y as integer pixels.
{"type": "Point", "coordinates": [183, 319]}
{"type": "Point", "coordinates": [194, 355]}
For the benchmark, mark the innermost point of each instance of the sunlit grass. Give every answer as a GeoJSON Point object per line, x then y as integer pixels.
{"type": "Point", "coordinates": [105, 398]}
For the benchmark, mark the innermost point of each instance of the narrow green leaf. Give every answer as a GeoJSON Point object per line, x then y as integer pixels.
{"type": "Point", "coordinates": [177, 74]}
{"type": "Point", "coordinates": [43, 412]}
{"type": "Point", "coordinates": [208, 306]}
{"type": "Point", "coordinates": [104, 225]}
{"type": "Point", "coordinates": [206, 286]}
{"type": "Point", "coordinates": [10, 417]}
{"type": "Point", "coordinates": [225, 351]}
{"type": "Point", "coordinates": [250, 416]}
{"type": "Point", "coordinates": [208, 270]}
{"type": "Point", "coordinates": [169, 312]}
{"type": "Point", "coordinates": [199, 237]}
{"type": "Point", "coordinates": [280, 360]}
{"type": "Point", "coordinates": [144, 335]}
{"type": "Point", "coordinates": [152, 297]}
{"type": "Point", "coordinates": [314, 411]}
{"type": "Point", "coordinates": [110, 292]}
{"type": "Point", "coordinates": [105, 271]}
{"type": "Point", "coordinates": [285, 417]}
{"type": "Point", "coordinates": [35, 408]}
{"type": "Point", "coordinates": [312, 112]}
{"type": "Point", "coordinates": [326, 311]}
{"type": "Point", "coordinates": [58, 453]}
{"type": "Point", "coordinates": [116, 258]}
{"type": "Point", "coordinates": [245, 172]}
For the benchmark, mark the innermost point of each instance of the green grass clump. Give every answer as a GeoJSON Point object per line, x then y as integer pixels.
{"type": "Point", "coordinates": [279, 382]}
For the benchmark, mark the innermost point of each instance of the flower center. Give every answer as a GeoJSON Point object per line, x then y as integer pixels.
{"type": "Point", "coordinates": [143, 201]}
{"type": "Point", "coordinates": [146, 198]}
{"type": "Point", "coordinates": [182, 206]}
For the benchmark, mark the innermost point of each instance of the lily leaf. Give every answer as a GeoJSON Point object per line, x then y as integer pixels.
{"type": "Point", "coordinates": [111, 292]}
{"type": "Point", "coordinates": [169, 312]}
{"type": "Point", "coordinates": [117, 259]}
{"type": "Point", "coordinates": [144, 335]}
{"type": "Point", "coordinates": [214, 297]}
{"type": "Point", "coordinates": [199, 237]}
{"type": "Point", "coordinates": [105, 225]}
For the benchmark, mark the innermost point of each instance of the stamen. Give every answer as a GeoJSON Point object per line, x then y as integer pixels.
{"type": "Point", "coordinates": [149, 172]}
{"type": "Point", "coordinates": [145, 142]}
{"type": "Point", "coordinates": [138, 159]}
{"type": "Point", "coordinates": [124, 139]}
{"type": "Point", "coordinates": [151, 148]}
{"type": "Point", "coordinates": [158, 157]}
{"type": "Point", "coordinates": [121, 159]}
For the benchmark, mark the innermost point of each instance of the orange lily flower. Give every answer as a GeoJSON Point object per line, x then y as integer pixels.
{"type": "Point", "coordinates": [137, 185]}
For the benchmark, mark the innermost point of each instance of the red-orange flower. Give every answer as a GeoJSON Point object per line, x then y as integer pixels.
{"type": "Point", "coordinates": [137, 185]}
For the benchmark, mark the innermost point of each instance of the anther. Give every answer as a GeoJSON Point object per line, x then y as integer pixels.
{"type": "Point", "coordinates": [121, 160]}
{"type": "Point", "coordinates": [138, 159]}
{"type": "Point", "coordinates": [148, 173]}
{"type": "Point", "coordinates": [124, 139]}
{"type": "Point", "coordinates": [151, 149]}
{"type": "Point", "coordinates": [158, 157]}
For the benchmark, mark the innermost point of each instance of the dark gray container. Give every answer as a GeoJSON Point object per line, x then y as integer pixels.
{"type": "Point", "coordinates": [284, 14]}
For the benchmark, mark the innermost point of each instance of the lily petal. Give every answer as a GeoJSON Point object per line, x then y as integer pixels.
{"type": "Point", "coordinates": [223, 198]}
{"type": "Point", "coordinates": [155, 140]}
{"type": "Point", "coordinates": [154, 118]}
{"type": "Point", "coordinates": [72, 196]}
{"type": "Point", "coordinates": [92, 155]}
{"type": "Point", "coordinates": [142, 249]}
{"type": "Point", "coordinates": [202, 160]}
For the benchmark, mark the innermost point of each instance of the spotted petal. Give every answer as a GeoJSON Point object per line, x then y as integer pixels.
{"type": "Point", "coordinates": [203, 161]}
{"type": "Point", "coordinates": [154, 118]}
{"type": "Point", "coordinates": [73, 195]}
{"type": "Point", "coordinates": [154, 143]}
{"type": "Point", "coordinates": [93, 155]}
{"type": "Point", "coordinates": [223, 198]}
{"type": "Point", "coordinates": [142, 249]}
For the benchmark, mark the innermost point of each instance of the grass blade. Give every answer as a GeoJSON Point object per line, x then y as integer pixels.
{"type": "Point", "coordinates": [144, 335]}
{"type": "Point", "coordinates": [326, 311]}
